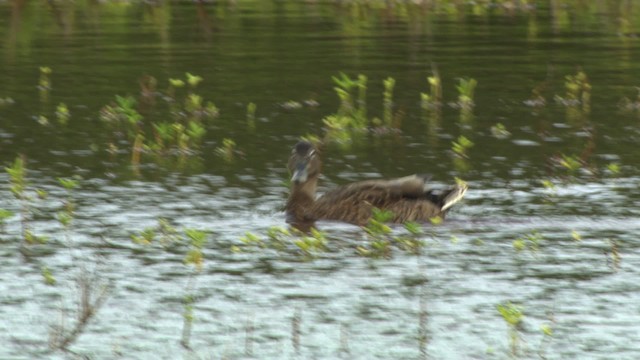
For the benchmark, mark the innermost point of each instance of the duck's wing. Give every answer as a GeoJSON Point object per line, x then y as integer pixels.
{"type": "Point", "coordinates": [407, 197]}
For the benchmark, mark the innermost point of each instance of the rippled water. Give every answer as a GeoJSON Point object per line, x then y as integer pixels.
{"type": "Point", "coordinates": [270, 304]}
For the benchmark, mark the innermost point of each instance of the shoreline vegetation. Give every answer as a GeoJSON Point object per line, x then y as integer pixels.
{"type": "Point", "coordinates": [621, 16]}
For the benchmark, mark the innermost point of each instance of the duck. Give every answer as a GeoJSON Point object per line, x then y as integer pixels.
{"type": "Point", "coordinates": [408, 198]}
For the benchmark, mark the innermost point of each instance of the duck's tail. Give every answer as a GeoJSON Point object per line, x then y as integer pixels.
{"type": "Point", "coordinates": [452, 196]}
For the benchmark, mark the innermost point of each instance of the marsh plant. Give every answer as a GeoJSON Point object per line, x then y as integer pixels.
{"type": "Point", "coordinates": [353, 98]}
{"type": "Point", "coordinates": [577, 97]}
{"type": "Point", "coordinates": [181, 134]}
{"type": "Point", "coordinates": [466, 93]}
{"type": "Point", "coordinates": [167, 236]}
{"type": "Point", "coordinates": [62, 114]}
{"type": "Point", "coordinates": [529, 242]}
{"type": "Point", "coordinates": [92, 294]}
{"type": "Point", "coordinates": [66, 215]}
{"type": "Point", "coordinates": [227, 151]}
{"type": "Point", "coordinates": [387, 102]}
{"type": "Point", "coordinates": [613, 254]}
{"type": "Point", "coordinates": [4, 215]}
{"type": "Point", "coordinates": [499, 131]}
{"type": "Point", "coordinates": [194, 258]}
{"type": "Point", "coordinates": [460, 148]}
{"type": "Point", "coordinates": [309, 245]}
{"type": "Point", "coordinates": [251, 116]}
{"type": "Point", "coordinates": [163, 234]}
{"type": "Point", "coordinates": [19, 188]}
{"type": "Point", "coordinates": [433, 99]}
{"type": "Point", "coordinates": [513, 315]}
{"type": "Point", "coordinates": [431, 104]}
{"type": "Point", "coordinates": [577, 91]}
{"type": "Point", "coordinates": [44, 83]}
{"type": "Point", "coordinates": [381, 239]}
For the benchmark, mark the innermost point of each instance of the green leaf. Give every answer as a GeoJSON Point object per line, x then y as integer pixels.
{"type": "Point", "coordinates": [67, 183]}
{"type": "Point", "coordinates": [48, 276]}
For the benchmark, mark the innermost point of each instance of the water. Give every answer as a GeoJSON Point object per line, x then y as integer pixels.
{"type": "Point", "coordinates": [275, 304]}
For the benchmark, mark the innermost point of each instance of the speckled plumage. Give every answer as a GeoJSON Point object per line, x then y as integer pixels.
{"type": "Point", "coordinates": [408, 198]}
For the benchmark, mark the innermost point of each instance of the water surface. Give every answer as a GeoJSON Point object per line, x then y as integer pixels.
{"type": "Point", "coordinates": [271, 304]}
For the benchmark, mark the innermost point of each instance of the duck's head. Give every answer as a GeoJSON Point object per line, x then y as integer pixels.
{"type": "Point", "coordinates": [304, 163]}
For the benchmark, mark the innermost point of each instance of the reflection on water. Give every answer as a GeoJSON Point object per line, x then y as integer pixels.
{"type": "Point", "coordinates": [548, 224]}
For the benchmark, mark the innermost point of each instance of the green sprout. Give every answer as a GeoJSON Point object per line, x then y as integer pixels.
{"type": "Point", "coordinates": [499, 131]}
{"type": "Point", "coordinates": [197, 240]}
{"type": "Point", "coordinates": [251, 116]}
{"type": "Point", "coordinates": [62, 114]}
{"type": "Point", "coordinates": [193, 80]}
{"type": "Point", "coordinates": [613, 168]}
{"type": "Point", "coordinates": [513, 316]}
{"type": "Point", "coordinates": [146, 237]}
{"type": "Point", "coordinates": [530, 241]}
{"type": "Point", "coordinates": [433, 99]}
{"type": "Point", "coordinates": [48, 277]}
{"type": "Point", "coordinates": [387, 117]}
{"type": "Point", "coordinates": [176, 83]}
{"type": "Point", "coordinates": [466, 90]}
{"type": "Point", "coordinates": [461, 146]}
{"type": "Point", "coordinates": [227, 150]}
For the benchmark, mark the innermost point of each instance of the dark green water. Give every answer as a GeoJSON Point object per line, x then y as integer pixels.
{"type": "Point", "coordinates": [348, 306]}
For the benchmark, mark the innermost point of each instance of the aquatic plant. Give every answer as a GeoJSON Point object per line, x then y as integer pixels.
{"type": "Point", "coordinates": [251, 116]}
{"type": "Point", "coordinates": [227, 150]}
{"type": "Point", "coordinates": [352, 94]}
{"type": "Point", "coordinates": [513, 315]}
{"type": "Point", "coordinates": [461, 146]}
{"type": "Point", "coordinates": [62, 114]}
{"type": "Point", "coordinates": [433, 99]}
{"type": "Point", "coordinates": [4, 215]}
{"type": "Point", "coordinates": [576, 235]}
{"type": "Point", "coordinates": [547, 335]}
{"type": "Point", "coordinates": [310, 245]}
{"type": "Point", "coordinates": [181, 134]}
{"type": "Point", "coordinates": [66, 215]}
{"type": "Point", "coordinates": [529, 242]}
{"type": "Point", "coordinates": [277, 238]}
{"type": "Point", "coordinates": [613, 255]}
{"type": "Point", "coordinates": [387, 102]}
{"type": "Point", "coordinates": [578, 91]}
{"type": "Point", "coordinates": [44, 84]}
{"type": "Point", "coordinates": [92, 294]}
{"type": "Point", "coordinates": [380, 238]}
{"type": "Point", "coordinates": [19, 186]}
{"type": "Point", "coordinates": [571, 163]}
{"type": "Point", "coordinates": [167, 234]}
{"type": "Point", "coordinates": [499, 131]}
{"type": "Point", "coordinates": [431, 105]}
{"type": "Point", "coordinates": [194, 257]}
{"type": "Point", "coordinates": [577, 98]}
{"type": "Point", "coordinates": [47, 276]}
{"type": "Point", "coordinates": [466, 89]}
{"type": "Point", "coordinates": [296, 321]}
{"type": "Point", "coordinates": [613, 168]}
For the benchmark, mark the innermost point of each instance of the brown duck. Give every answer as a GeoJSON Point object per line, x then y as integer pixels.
{"type": "Point", "coordinates": [409, 198]}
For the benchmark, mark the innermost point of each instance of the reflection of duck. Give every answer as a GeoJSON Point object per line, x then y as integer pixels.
{"type": "Point", "coordinates": [408, 198]}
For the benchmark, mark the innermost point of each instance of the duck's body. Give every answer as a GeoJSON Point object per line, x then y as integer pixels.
{"type": "Point", "coordinates": [408, 198]}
